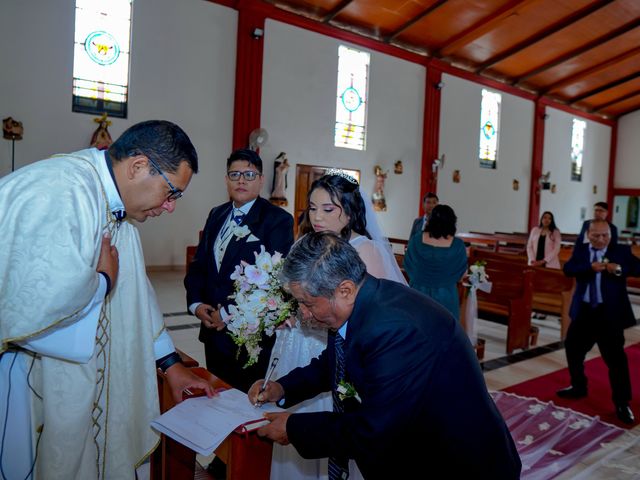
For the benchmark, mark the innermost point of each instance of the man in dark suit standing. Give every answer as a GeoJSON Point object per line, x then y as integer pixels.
{"type": "Point", "coordinates": [224, 244]}
{"type": "Point", "coordinates": [600, 311]}
{"type": "Point", "coordinates": [413, 396]}
{"type": "Point", "coordinates": [429, 201]}
{"type": "Point", "coordinates": [600, 212]}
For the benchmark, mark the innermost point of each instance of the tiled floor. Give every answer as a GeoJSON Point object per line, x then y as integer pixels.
{"type": "Point", "coordinates": [500, 371]}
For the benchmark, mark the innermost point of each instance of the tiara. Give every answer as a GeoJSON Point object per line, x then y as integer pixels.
{"type": "Point", "coordinates": [341, 173]}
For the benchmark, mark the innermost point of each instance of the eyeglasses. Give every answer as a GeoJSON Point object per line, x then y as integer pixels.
{"type": "Point", "coordinates": [249, 175]}
{"type": "Point", "coordinates": [174, 193]}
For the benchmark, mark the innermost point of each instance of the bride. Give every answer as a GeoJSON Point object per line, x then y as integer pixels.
{"type": "Point", "coordinates": [334, 204]}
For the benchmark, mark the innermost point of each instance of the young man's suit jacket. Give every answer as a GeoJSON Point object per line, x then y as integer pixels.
{"type": "Point", "coordinates": [425, 411]}
{"type": "Point", "coordinates": [270, 226]}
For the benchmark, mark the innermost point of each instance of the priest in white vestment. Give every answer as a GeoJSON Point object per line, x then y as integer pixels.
{"type": "Point", "coordinates": [81, 332]}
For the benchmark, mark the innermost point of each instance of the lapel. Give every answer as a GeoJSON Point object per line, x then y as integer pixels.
{"type": "Point", "coordinates": [236, 247]}
{"type": "Point", "coordinates": [217, 221]}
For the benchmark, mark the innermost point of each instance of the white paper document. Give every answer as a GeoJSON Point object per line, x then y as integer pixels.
{"type": "Point", "coordinates": [203, 423]}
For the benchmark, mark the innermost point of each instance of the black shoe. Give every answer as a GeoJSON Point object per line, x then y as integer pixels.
{"type": "Point", "coordinates": [572, 392]}
{"type": "Point", "coordinates": [217, 469]}
{"type": "Point", "coordinates": [624, 414]}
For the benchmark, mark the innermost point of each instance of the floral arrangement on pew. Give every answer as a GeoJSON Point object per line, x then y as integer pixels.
{"type": "Point", "coordinates": [261, 304]}
{"type": "Point", "coordinates": [476, 279]}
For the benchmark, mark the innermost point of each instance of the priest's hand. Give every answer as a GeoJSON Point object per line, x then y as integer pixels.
{"type": "Point", "coordinates": [277, 429]}
{"type": "Point", "coordinates": [272, 393]}
{"type": "Point", "coordinates": [181, 378]}
{"type": "Point", "coordinates": [108, 260]}
{"type": "Point", "coordinates": [210, 317]}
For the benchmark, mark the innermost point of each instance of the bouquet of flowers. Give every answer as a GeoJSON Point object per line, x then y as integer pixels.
{"type": "Point", "coordinates": [261, 304]}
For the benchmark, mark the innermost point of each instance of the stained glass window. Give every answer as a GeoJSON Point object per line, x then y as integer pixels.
{"type": "Point", "coordinates": [101, 56]}
{"type": "Point", "coordinates": [351, 102]}
{"type": "Point", "coordinates": [489, 128]}
{"type": "Point", "coordinates": [577, 147]}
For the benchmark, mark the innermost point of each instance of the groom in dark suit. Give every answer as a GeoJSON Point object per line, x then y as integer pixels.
{"type": "Point", "coordinates": [600, 311]}
{"type": "Point", "coordinates": [224, 244]}
{"type": "Point", "coordinates": [414, 403]}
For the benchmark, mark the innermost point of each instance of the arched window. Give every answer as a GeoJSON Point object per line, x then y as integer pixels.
{"type": "Point", "coordinates": [351, 102]}
{"type": "Point", "coordinates": [577, 147]}
{"type": "Point", "coordinates": [489, 128]}
{"type": "Point", "coordinates": [101, 57]}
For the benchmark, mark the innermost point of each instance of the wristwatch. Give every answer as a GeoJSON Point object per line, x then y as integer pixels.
{"type": "Point", "coordinates": [618, 271]}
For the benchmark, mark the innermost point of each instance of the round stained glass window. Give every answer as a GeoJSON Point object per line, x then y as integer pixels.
{"type": "Point", "coordinates": [351, 99]}
{"type": "Point", "coordinates": [488, 130]}
{"type": "Point", "coordinates": [102, 47]}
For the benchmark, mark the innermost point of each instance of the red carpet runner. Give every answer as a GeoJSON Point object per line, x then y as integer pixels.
{"type": "Point", "coordinates": [598, 402]}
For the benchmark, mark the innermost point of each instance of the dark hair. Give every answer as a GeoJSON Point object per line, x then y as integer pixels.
{"type": "Point", "coordinates": [320, 261]}
{"type": "Point", "coordinates": [552, 225]}
{"type": "Point", "coordinates": [245, 154]}
{"type": "Point", "coordinates": [442, 222]}
{"type": "Point", "coordinates": [163, 142]}
{"type": "Point", "coordinates": [345, 195]}
{"type": "Point", "coordinates": [604, 205]}
{"type": "Point", "coordinates": [430, 195]}
{"type": "Point", "coordinates": [304, 224]}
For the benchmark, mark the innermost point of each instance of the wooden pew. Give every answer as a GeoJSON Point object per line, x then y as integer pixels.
{"type": "Point", "coordinates": [484, 241]}
{"type": "Point", "coordinates": [510, 299]}
{"type": "Point", "coordinates": [552, 289]}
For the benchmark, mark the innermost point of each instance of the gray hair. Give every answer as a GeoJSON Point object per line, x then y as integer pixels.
{"type": "Point", "coordinates": [320, 261]}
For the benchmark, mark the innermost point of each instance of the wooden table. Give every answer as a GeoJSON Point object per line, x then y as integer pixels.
{"type": "Point", "coordinates": [246, 455]}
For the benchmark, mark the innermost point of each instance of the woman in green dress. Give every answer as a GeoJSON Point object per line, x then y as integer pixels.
{"type": "Point", "coordinates": [436, 260]}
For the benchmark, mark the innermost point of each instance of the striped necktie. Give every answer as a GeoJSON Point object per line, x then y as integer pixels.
{"type": "Point", "coordinates": [238, 217]}
{"type": "Point", "coordinates": [593, 287]}
{"type": "Point", "coordinates": [338, 466]}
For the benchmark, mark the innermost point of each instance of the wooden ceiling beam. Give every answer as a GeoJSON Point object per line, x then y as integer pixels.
{"type": "Point", "coordinates": [544, 33]}
{"type": "Point", "coordinates": [591, 70]}
{"type": "Point", "coordinates": [617, 100]}
{"type": "Point", "coordinates": [604, 88]}
{"type": "Point", "coordinates": [481, 27]}
{"type": "Point", "coordinates": [618, 32]}
{"type": "Point", "coordinates": [433, 7]}
{"type": "Point", "coordinates": [336, 10]}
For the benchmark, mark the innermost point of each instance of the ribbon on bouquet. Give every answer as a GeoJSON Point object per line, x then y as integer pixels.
{"type": "Point", "coordinates": [471, 309]}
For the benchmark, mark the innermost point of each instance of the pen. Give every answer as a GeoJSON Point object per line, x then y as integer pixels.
{"type": "Point", "coordinates": [270, 371]}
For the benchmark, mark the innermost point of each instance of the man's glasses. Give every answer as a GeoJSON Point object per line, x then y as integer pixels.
{"type": "Point", "coordinates": [174, 193]}
{"type": "Point", "coordinates": [249, 175]}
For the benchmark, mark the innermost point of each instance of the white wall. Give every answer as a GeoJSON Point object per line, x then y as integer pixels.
{"type": "Point", "coordinates": [298, 111]}
{"type": "Point", "coordinates": [182, 69]}
{"type": "Point", "coordinates": [571, 196]}
{"type": "Point", "coordinates": [484, 200]}
{"type": "Point", "coordinates": [627, 174]}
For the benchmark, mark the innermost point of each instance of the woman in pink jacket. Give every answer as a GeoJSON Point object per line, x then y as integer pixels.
{"type": "Point", "coordinates": [544, 243]}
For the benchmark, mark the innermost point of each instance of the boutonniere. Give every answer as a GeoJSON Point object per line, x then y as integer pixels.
{"type": "Point", "coordinates": [240, 231]}
{"type": "Point", "coordinates": [346, 390]}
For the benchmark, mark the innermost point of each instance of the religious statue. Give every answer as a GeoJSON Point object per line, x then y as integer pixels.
{"type": "Point", "coordinates": [278, 196]}
{"type": "Point", "coordinates": [378, 200]}
{"type": "Point", "coordinates": [12, 129]}
{"type": "Point", "coordinates": [101, 138]}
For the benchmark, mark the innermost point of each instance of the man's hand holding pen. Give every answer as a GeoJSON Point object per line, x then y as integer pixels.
{"type": "Point", "coordinates": [272, 392]}
{"type": "Point", "coordinates": [260, 391]}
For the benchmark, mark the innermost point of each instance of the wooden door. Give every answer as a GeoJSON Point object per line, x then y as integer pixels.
{"type": "Point", "coordinates": [305, 176]}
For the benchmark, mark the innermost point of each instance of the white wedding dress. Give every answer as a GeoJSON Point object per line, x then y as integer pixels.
{"type": "Point", "coordinates": [295, 347]}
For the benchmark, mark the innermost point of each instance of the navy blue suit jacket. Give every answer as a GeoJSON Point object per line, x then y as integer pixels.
{"type": "Point", "coordinates": [615, 298]}
{"type": "Point", "coordinates": [273, 226]}
{"type": "Point", "coordinates": [425, 406]}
